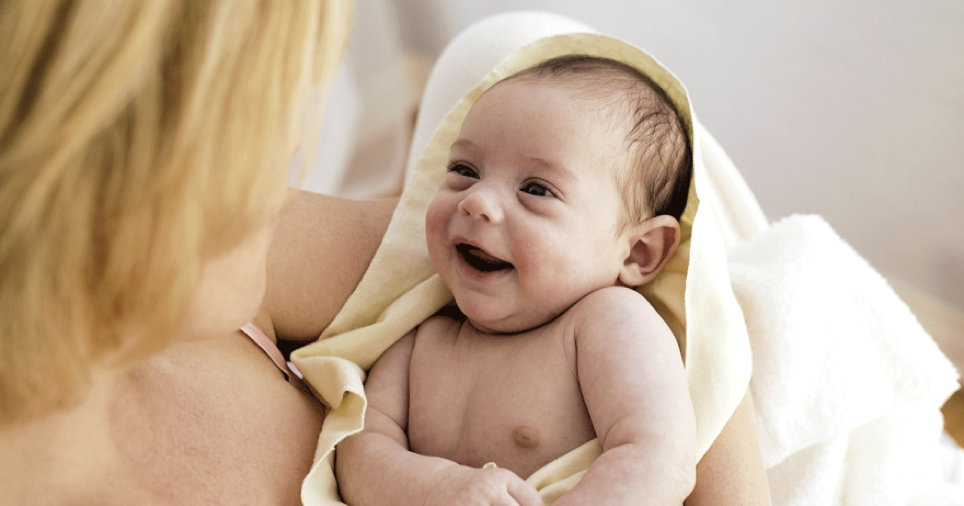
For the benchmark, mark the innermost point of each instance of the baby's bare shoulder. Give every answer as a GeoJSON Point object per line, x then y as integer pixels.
{"type": "Point", "coordinates": [615, 308]}
{"type": "Point", "coordinates": [434, 337]}
{"type": "Point", "coordinates": [436, 327]}
{"type": "Point", "coordinates": [611, 299]}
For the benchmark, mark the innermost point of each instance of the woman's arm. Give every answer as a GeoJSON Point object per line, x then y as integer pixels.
{"type": "Point", "coordinates": [321, 249]}
{"type": "Point", "coordinates": [732, 470]}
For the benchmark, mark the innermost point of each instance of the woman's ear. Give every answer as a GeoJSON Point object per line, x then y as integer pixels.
{"type": "Point", "coordinates": [651, 244]}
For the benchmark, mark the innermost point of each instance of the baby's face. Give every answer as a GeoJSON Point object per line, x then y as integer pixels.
{"type": "Point", "coordinates": [525, 221]}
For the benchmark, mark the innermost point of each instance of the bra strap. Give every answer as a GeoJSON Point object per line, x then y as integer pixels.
{"type": "Point", "coordinates": [271, 350]}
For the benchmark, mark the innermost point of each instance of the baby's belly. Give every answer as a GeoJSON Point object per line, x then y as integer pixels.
{"type": "Point", "coordinates": [515, 419]}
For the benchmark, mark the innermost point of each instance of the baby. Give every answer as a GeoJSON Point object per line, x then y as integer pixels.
{"type": "Point", "coordinates": [564, 189]}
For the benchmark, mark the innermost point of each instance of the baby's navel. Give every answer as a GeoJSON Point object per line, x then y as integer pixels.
{"type": "Point", "coordinates": [525, 436]}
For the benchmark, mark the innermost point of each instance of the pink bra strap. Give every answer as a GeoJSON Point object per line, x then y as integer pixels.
{"type": "Point", "coordinates": [271, 350]}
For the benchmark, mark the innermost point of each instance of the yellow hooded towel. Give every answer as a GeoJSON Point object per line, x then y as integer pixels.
{"type": "Point", "coordinates": [401, 288]}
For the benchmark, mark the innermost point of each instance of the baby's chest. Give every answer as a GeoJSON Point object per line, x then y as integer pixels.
{"type": "Point", "coordinates": [517, 404]}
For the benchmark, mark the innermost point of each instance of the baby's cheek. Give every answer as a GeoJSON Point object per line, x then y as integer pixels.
{"type": "Point", "coordinates": [433, 222]}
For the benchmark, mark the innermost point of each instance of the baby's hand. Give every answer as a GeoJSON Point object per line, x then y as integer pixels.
{"type": "Point", "coordinates": [484, 487]}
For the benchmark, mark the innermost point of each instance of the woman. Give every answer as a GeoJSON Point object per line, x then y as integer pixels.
{"type": "Point", "coordinates": [142, 149]}
{"type": "Point", "coordinates": [142, 167]}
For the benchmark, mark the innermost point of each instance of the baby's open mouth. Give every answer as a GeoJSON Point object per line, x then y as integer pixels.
{"type": "Point", "coordinates": [480, 260]}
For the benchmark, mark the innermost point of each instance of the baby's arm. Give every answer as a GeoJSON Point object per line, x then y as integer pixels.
{"type": "Point", "coordinates": [376, 467]}
{"type": "Point", "coordinates": [635, 389]}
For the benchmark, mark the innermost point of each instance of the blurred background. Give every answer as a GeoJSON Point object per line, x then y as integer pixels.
{"type": "Point", "coordinates": [853, 110]}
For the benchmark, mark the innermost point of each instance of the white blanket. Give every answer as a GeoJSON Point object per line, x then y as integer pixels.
{"type": "Point", "coordinates": [848, 384]}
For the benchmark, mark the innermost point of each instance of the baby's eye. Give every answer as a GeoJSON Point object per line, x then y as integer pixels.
{"type": "Point", "coordinates": [537, 189]}
{"type": "Point", "coordinates": [463, 170]}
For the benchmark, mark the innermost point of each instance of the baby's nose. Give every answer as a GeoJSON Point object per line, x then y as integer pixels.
{"type": "Point", "coordinates": [483, 204]}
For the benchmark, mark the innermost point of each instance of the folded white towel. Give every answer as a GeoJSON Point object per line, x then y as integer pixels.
{"type": "Point", "coordinates": [849, 385]}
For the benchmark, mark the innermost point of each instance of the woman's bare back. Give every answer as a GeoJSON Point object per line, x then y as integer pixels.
{"type": "Point", "coordinates": [205, 422]}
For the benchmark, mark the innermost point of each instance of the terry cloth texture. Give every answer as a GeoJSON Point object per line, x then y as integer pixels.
{"type": "Point", "coordinates": [849, 385]}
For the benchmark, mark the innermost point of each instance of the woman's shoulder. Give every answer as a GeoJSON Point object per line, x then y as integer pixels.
{"type": "Point", "coordinates": [221, 420]}
{"type": "Point", "coordinates": [321, 249]}
{"type": "Point", "coordinates": [202, 422]}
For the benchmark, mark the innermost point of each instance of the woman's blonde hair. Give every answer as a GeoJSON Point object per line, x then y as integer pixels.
{"type": "Point", "coordinates": [137, 139]}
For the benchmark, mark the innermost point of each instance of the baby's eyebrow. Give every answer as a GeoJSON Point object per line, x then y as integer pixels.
{"type": "Point", "coordinates": [556, 169]}
{"type": "Point", "coordinates": [461, 142]}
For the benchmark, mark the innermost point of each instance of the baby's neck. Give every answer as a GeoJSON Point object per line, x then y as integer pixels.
{"type": "Point", "coordinates": [452, 311]}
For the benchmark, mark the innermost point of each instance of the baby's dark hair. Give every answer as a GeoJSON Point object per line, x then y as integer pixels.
{"type": "Point", "coordinates": [660, 159]}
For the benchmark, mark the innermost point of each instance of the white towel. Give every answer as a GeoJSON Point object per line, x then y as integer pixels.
{"type": "Point", "coordinates": [849, 385]}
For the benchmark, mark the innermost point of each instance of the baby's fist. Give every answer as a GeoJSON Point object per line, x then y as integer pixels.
{"type": "Point", "coordinates": [484, 487]}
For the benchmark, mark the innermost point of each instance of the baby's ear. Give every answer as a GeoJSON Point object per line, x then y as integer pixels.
{"type": "Point", "coordinates": [652, 243]}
